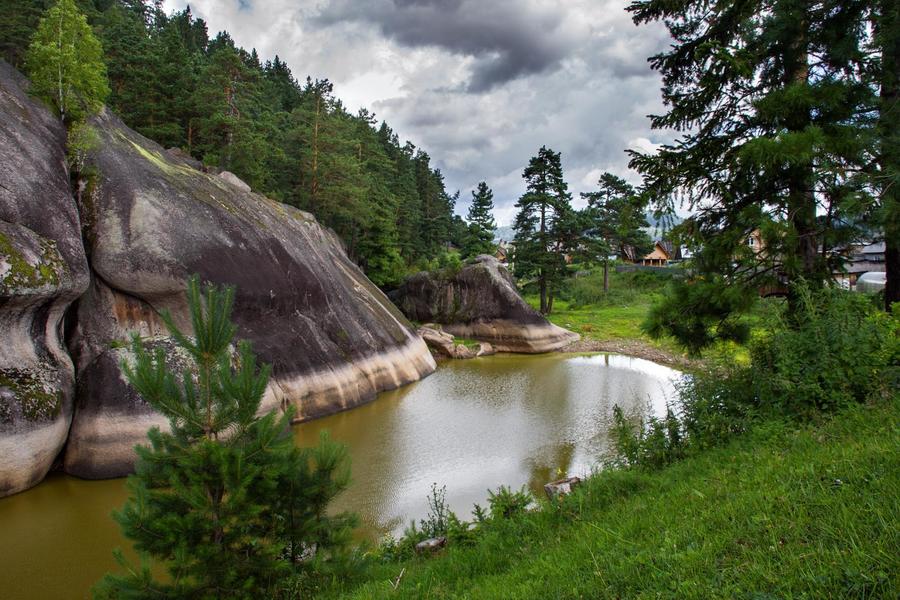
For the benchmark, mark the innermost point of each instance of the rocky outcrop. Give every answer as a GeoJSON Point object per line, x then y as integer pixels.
{"type": "Point", "coordinates": [78, 278]}
{"type": "Point", "coordinates": [333, 338]}
{"type": "Point", "coordinates": [43, 269]}
{"type": "Point", "coordinates": [480, 301]}
{"type": "Point", "coordinates": [444, 344]}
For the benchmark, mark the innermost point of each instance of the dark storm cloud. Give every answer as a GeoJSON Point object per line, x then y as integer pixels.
{"type": "Point", "coordinates": [479, 85]}
{"type": "Point", "coordinates": [507, 40]}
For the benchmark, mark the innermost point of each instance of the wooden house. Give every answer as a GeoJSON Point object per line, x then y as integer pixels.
{"type": "Point", "coordinates": [658, 257]}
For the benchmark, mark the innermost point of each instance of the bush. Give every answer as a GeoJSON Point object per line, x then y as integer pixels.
{"type": "Point", "coordinates": [507, 504]}
{"type": "Point", "coordinates": [833, 349]}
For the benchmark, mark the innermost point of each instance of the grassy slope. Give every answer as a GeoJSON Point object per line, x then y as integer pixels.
{"type": "Point", "coordinates": [617, 315]}
{"type": "Point", "coordinates": [780, 513]}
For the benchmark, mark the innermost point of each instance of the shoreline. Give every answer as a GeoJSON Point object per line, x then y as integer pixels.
{"type": "Point", "coordinates": [631, 347]}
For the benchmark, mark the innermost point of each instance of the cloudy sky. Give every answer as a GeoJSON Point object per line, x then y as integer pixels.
{"type": "Point", "coordinates": [480, 85]}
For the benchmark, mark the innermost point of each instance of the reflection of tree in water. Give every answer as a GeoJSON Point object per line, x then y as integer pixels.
{"type": "Point", "coordinates": [549, 464]}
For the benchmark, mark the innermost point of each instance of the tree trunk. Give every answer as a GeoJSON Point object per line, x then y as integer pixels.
{"type": "Point", "coordinates": [802, 259]}
{"type": "Point", "coordinates": [887, 30]}
{"type": "Point", "coordinates": [543, 251]}
{"type": "Point", "coordinates": [606, 275]}
{"type": "Point", "coordinates": [543, 284]}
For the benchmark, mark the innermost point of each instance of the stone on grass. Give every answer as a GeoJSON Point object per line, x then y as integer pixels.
{"type": "Point", "coordinates": [431, 545]}
{"type": "Point", "coordinates": [561, 487]}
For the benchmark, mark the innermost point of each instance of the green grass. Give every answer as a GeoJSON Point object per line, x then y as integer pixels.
{"type": "Point", "coordinates": [584, 308]}
{"type": "Point", "coordinates": [468, 343]}
{"type": "Point", "coordinates": [787, 511]}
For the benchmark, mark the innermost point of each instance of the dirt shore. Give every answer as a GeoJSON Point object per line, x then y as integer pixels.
{"type": "Point", "coordinates": [636, 348]}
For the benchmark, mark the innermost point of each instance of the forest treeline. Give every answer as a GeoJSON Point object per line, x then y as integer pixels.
{"type": "Point", "coordinates": [293, 141]}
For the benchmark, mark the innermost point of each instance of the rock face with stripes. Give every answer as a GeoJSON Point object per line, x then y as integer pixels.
{"type": "Point", "coordinates": [333, 339]}
{"type": "Point", "coordinates": [43, 270]}
{"type": "Point", "coordinates": [480, 301]}
{"type": "Point", "coordinates": [84, 266]}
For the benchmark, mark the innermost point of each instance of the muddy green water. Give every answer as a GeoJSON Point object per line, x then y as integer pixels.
{"type": "Point", "coordinates": [472, 426]}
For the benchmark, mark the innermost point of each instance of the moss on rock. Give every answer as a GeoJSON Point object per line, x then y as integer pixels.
{"type": "Point", "coordinates": [28, 395]}
{"type": "Point", "coordinates": [17, 272]}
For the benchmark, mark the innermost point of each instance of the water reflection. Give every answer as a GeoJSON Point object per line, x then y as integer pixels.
{"type": "Point", "coordinates": [472, 426]}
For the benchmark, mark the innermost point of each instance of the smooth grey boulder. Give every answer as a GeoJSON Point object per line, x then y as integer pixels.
{"type": "Point", "coordinates": [480, 301]}
{"type": "Point", "coordinates": [333, 338]}
{"type": "Point", "coordinates": [43, 269]}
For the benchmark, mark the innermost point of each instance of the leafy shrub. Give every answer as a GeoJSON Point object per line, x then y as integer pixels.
{"type": "Point", "coordinates": [624, 288]}
{"type": "Point", "coordinates": [715, 404]}
{"type": "Point", "coordinates": [833, 349]}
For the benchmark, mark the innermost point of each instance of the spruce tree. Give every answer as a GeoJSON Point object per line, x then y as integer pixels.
{"type": "Point", "coordinates": [544, 225]}
{"type": "Point", "coordinates": [18, 20]}
{"type": "Point", "coordinates": [771, 114]}
{"type": "Point", "coordinates": [479, 238]}
{"type": "Point", "coordinates": [615, 221]}
{"type": "Point", "coordinates": [65, 63]}
{"type": "Point", "coordinates": [224, 502]}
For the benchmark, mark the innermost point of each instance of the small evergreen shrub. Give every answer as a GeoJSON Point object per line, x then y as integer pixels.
{"type": "Point", "coordinates": [508, 504]}
{"type": "Point", "coordinates": [224, 503]}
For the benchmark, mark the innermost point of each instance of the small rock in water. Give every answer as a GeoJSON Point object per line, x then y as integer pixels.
{"type": "Point", "coordinates": [485, 349]}
{"type": "Point", "coordinates": [431, 545]}
{"type": "Point", "coordinates": [462, 351]}
{"type": "Point", "coordinates": [438, 340]}
{"type": "Point", "coordinates": [561, 487]}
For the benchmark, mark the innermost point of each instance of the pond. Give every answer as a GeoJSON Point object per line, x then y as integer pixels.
{"type": "Point", "coordinates": [472, 426]}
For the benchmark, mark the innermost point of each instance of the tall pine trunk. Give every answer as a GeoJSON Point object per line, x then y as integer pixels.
{"type": "Point", "coordinates": [543, 250]}
{"type": "Point", "coordinates": [802, 261]}
{"type": "Point", "coordinates": [888, 30]}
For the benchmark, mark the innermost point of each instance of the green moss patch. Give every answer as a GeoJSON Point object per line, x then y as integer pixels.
{"type": "Point", "coordinates": [21, 274]}
{"type": "Point", "coordinates": [28, 395]}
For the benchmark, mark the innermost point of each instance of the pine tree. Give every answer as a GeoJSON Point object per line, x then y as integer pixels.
{"type": "Point", "coordinates": [480, 234]}
{"type": "Point", "coordinates": [18, 21]}
{"type": "Point", "coordinates": [65, 63]}
{"type": "Point", "coordinates": [614, 221]}
{"type": "Point", "coordinates": [224, 501]}
{"type": "Point", "coordinates": [132, 66]}
{"type": "Point", "coordinates": [772, 116]}
{"type": "Point", "coordinates": [544, 225]}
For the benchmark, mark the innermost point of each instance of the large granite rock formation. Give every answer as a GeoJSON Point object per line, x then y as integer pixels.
{"type": "Point", "coordinates": [87, 274]}
{"type": "Point", "coordinates": [43, 269]}
{"type": "Point", "coordinates": [480, 301]}
{"type": "Point", "coordinates": [333, 338]}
